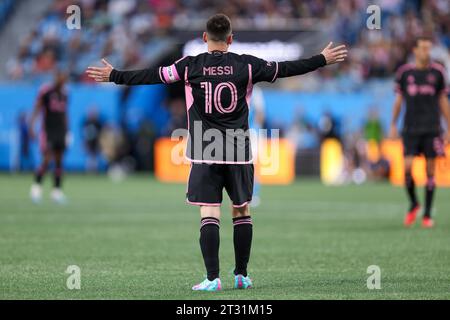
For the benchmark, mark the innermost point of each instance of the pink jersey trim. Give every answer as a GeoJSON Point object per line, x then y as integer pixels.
{"type": "Point", "coordinates": [276, 73]}
{"type": "Point", "coordinates": [439, 67]}
{"type": "Point", "coordinates": [160, 75]}
{"type": "Point", "coordinates": [403, 68]}
{"type": "Point", "coordinates": [180, 59]}
{"type": "Point", "coordinates": [203, 204]}
{"type": "Point", "coordinates": [219, 161]}
{"type": "Point", "coordinates": [189, 176]}
{"type": "Point", "coordinates": [240, 205]}
{"type": "Point", "coordinates": [249, 85]}
{"type": "Point", "coordinates": [188, 93]}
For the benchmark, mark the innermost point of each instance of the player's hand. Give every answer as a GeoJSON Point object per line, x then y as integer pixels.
{"type": "Point", "coordinates": [393, 132]}
{"type": "Point", "coordinates": [100, 74]}
{"type": "Point", "coordinates": [334, 55]}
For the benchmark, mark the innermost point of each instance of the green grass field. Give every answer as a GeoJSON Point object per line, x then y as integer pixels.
{"type": "Point", "coordinates": [139, 240]}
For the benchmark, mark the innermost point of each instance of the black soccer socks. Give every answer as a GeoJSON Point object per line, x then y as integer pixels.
{"type": "Point", "coordinates": [411, 190]}
{"type": "Point", "coordinates": [242, 238]}
{"type": "Point", "coordinates": [39, 174]}
{"type": "Point", "coordinates": [429, 192]}
{"type": "Point", "coordinates": [57, 177]}
{"type": "Point", "coordinates": [209, 244]}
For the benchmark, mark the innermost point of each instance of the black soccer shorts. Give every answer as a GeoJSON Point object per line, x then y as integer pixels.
{"type": "Point", "coordinates": [431, 146]}
{"type": "Point", "coordinates": [53, 141]}
{"type": "Point", "coordinates": [207, 181]}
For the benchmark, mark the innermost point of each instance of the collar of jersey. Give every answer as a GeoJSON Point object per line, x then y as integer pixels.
{"type": "Point", "coordinates": [217, 51]}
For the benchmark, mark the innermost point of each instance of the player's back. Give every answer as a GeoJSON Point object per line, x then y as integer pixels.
{"type": "Point", "coordinates": [218, 91]}
{"type": "Point", "coordinates": [221, 85]}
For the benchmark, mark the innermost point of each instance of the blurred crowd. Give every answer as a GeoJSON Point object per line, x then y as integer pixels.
{"type": "Point", "coordinates": [138, 33]}
{"type": "Point", "coordinates": [132, 32]}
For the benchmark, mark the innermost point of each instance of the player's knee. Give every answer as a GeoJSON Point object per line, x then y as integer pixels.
{"type": "Point", "coordinates": [240, 211]}
{"type": "Point", "coordinates": [210, 211]}
{"type": "Point", "coordinates": [408, 170]}
{"type": "Point", "coordinates": [430, 168]}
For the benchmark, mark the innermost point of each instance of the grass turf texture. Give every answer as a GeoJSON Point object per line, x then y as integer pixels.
{"type": "Point", "coordinates": [139, 240]}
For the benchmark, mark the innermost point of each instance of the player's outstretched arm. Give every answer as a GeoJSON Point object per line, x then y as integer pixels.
{"type": "Point", "coordinates": [329, 55]}
{"type": "Point", "coordinates": [107, 73]}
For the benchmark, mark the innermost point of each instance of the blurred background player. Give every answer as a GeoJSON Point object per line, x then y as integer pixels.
{"type": "Point", "coordinates": [422, 86]}
{"type": "Point", "coordinates": [51, 105]}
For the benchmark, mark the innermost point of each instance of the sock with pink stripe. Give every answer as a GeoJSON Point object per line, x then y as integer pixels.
{"type": "Point", "coordinates": [209, 244]}
{"type": "Point", "coordinates": [429, 192]}
{"type": "Point", "coordinates": [242, 238]}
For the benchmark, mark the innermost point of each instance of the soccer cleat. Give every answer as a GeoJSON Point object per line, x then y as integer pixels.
{"type": "Point", "coordinates": [427, 223]}
{"type": "Point", "coordinates": [411, 216]}
{"type": "Point", "coordinates": [36, 193]}
{"type": "Point", "coordinates": [241, 282]}
{"type": "Point", "coordinates": [207, 285]}
{"type": "Point", "coordinates": [58, 196]}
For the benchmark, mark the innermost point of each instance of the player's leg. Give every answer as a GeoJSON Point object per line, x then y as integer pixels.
{"type": "Point", "coordinates": [410, 183]}
{"type": "Point", "coordinates": [57, 195]}
{"type": "Point", "coordinates": [429, 192]}
{"type": "Point", "coordinates": [433, 147]}
{"type": "Point", "coordinates": [411, 146]}
{"type": "Point", "coordinates": [410, 186]}
{"type": "Point", "coordinates": [205, 190]}
{"type": "Point", "coordinates": [36, 188]}
{"type": "Point", "coordinates": [242, 240]}
{"type": "Point", "coordinates": [209, 245]}
{"type": "Point", "coordinates": [239, 185]}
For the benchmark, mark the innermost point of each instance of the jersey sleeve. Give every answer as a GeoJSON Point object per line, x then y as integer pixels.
{"type": "Point", "coordinates": [263, 70]}
{"type": "Point", "coordinates": [162, 74]}
{"type": "Point", "coordinates": [441, 85]}
{"type": "Point", "coordinates": [43, 93]}
{"type": "Point", "coordinates": [398, 86]}
{"type": "Point", "coordinates": [174, 72]}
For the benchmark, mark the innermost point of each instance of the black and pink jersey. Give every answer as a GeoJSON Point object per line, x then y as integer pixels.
{"type": "Point", "coordinates": [218, 88]}
{"type": "Point", "coordinates": [421, 89]}
{"type": "Point", "coordinates": [54, 107]}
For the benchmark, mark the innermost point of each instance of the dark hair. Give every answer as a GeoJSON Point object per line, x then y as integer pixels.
{"type": "Point", "coordinates": [218, 27]}
{"type": "Point", "coordinates": [421, 38]}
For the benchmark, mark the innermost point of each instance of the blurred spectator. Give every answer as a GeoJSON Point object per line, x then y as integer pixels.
{"type": "Point", "coordinates": [373, 130]}
{"type": "Point", "coordinates": [128, 30]}
{"type": "Point", "coordinates": [329, 127]}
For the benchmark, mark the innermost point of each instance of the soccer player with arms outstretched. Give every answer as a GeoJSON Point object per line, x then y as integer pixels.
{"type": "Point", "coordinates": [218, 87]}
{"type": "Point", "coordinates": [51, 105]}
{"type": "Point", "coordinates": [422, 86]}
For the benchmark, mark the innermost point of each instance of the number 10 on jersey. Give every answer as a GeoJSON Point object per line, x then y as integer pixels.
{"type": "Point", "coordinates": [217, 94]}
